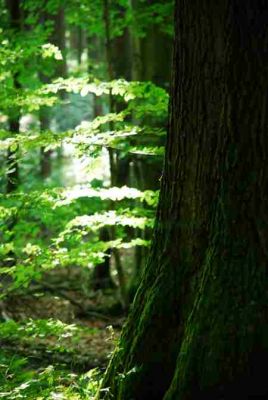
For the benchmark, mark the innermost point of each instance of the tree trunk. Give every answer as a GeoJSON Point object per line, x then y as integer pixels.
{"type": "Point", "coordinates": [57, 37]}
{"type": "Point", "coordinates": [156, 51]}
{"type": "Point", "coordinates": [12, 157]}
{"type": "Point", "coordinates": [119, 167]}
{"type": "Point", "coordinates": [77, 42]}
{"type": "Point", "coordinates": [45, 156]}
{"type": "Point", "coordinates": [198, 326]}
{"type": "Point", "coordinates": [101, 278]}
{"type": "Point", "coordinates": [60, 41]}
{"type": "Point", "coordinates": [13, 7]}
{"type": "Point", "coordinates": [151, 61]}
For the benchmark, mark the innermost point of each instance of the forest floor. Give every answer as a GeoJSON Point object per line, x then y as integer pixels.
{"type": "Point", "coordinates": [90, 347]}
{"type": "Point", "coordinates": [66, 330]}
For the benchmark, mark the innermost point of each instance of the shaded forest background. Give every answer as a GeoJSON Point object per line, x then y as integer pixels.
{"type": "Point", "coordinates": [83, 119]}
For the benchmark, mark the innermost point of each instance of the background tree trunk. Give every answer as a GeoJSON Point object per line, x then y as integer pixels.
{"type": "Point", "coordinates": [12, 157]}
{"type": "Point", "coordinates": [57, 37]}
{"type": "Point", "coordinates": [151, 59]}
{"type": "Point", "coordinates": [198, 326]}
{"type": "Point", "coordinates": [101, 277]}
{"type": "Point", "coordinates": [14, 118]}
{"type": "Point", "coordinates": [45, 156]}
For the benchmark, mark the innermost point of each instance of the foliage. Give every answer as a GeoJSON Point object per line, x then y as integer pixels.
{"type": "Point", "coordinates": [19, 380]}
{"type": "Point", "coordinates": [50, 223]}
{"type": "Point", "coordinates": [122, 14]}
{"type": "Point", "coordinates": [50, 383]}
{"type": "Point", "coordinates": [35, 212]}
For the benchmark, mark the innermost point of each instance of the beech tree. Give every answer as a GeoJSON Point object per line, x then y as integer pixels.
{"type": "Point", "coordinates": [198, 325]}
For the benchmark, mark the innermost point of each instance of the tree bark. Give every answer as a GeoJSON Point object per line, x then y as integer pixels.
{"type": "Point", "coordinates": [198, 326]}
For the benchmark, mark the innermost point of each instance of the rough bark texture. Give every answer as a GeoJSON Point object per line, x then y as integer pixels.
{"type": "Point", "coordinates": [198, 325]}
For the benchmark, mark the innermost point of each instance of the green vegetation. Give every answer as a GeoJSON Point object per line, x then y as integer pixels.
{"type": "Point", "coordinates": [83, 120]}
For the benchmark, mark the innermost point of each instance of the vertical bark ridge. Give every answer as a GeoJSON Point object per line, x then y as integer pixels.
{"type": "Point", "coordinates": [225, 340]}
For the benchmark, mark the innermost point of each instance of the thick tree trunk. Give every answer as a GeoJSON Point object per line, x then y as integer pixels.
{"type": "Point", "coordinates": [198, 326]}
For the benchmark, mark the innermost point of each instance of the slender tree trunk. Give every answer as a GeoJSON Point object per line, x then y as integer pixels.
{"type": "Point", "coordinates": [156, 52]}
{"type": "Point", "coordinates": [59, 40]}
{"type": "Point", "coordinates": [114, 158]}
{"type": "Point", "coordinates": [198, 327]}
{"type": "Point", "coordinates": [101, 278]}
{"type": "Point", "coordinates": [45, 156]}
{"type": "Point", "coordinates": [12, 177]}
{"type": "Point", "coordinates": [12, 158]}
{"type": "Point", "coordinates": [77, 42]}
{"type": "Point", "coordinates": [151, 61]}
{"type": "Point", "coordinates": [14, 118]}
{"type": "Point", "coordinates": [57, 37]}
{"type": "Point", "coordinates": [136, 60]}
{"type": "Point", "coordinates": [80, 46]}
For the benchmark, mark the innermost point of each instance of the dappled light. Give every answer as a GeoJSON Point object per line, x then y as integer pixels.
{"type": "Point", "coordinates": [82, 136]}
